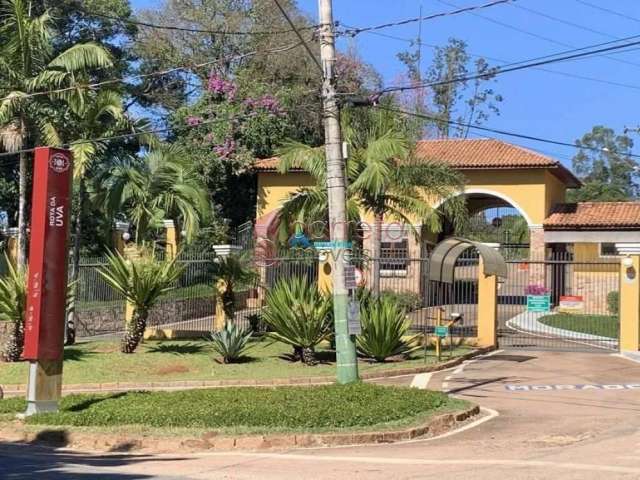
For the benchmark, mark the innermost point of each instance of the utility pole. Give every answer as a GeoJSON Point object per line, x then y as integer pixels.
{"type": "Point", "coordinates": [346, 359]}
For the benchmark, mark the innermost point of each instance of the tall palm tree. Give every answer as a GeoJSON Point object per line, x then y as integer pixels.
{"type": "Point", "coordinates": [91, 118]}
{"type": "Point", "coordinates": [29, 68]}
{"type": "Point", "coordinates": [162, 184]}
{"type": "Point", "coordinates": [385, 181]}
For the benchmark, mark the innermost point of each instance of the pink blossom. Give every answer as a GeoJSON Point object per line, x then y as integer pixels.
{"type": "Point", "coordinates": [193, 120]}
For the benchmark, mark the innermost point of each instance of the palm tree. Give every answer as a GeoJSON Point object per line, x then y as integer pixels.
{"type": "Point", "coordinates": [385, 181]}
{"type": "Point", "coordinates": [162, 184]}
{"type": "Point", "coordinates": [232, 273]}
{"type": "Point", "coordinates": [142, 281]}
{"type": "Point", "coordinates": [96, 116]}
{"type": "Point", "coordinates": [29, 69]}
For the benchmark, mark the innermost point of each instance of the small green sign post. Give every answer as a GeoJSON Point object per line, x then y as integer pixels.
{"type": "Point", "coordinates": [538, 303]}
{"type": "Point", "coordinates": [441, 331]}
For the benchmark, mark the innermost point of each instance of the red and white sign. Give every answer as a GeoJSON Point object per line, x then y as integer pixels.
{"type": "Point", "coordinates": [571, 304]}
{"type": "Point", "coordinates": [48, 254]}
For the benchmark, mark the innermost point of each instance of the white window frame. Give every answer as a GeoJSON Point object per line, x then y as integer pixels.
{"type": "Point", "coordinates": [602, 255]}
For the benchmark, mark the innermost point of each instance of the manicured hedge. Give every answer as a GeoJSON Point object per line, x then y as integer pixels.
{"type": "Point", "coordinates": [255, 409]}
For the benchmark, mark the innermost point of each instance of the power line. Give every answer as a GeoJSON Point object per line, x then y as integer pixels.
{"type": "Point", "coordinates": [564, 22]}
{"type": "Point", "coordinates": [608, 10]}
{"type": "Point", "coordinates": [190, 30]}
{"type": "Point", "coordinates": [516, 66]}
{"type": "Point", "coordinates": [495, 59]}
{"type": "Point", "coordinates": [298, 34]}
{"type": "Point", "coordinates": [535, 35]}
{"type": "Point", "coordinates": [353, 31]}
{"type": "Point", "coordinates": [157, 73]}
{"type": "Point", "coordinates": [497, 131]}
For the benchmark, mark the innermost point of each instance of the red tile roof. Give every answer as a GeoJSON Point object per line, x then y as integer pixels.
{"type": "Point", "coordinates": [594, 216]}
{"type": "Point", "coordinates": [467, 154]}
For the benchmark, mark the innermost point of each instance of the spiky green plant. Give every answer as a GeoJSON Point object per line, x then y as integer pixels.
{"type": "Point", "coordinates": [298, 315]}
{"type": "Point", "coordinates": [235, 272]}
{"type": "Point", "coordinates": [384, 328]}
{"type": "Point", "coordinates": [142, 281]}
{"type": "Point", "coordinates": [230, 342]}
{"type": "Point", "coordinates": [13, 299]}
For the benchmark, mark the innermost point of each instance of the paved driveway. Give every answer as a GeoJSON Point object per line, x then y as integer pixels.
{"type": "Point", "coordinates": [561, 416]}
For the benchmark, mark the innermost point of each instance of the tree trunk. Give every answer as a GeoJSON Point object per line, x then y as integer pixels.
{"type": "Point", "coordinates": [309, 356]}
{"type": "Point", "coordinates": [15, 344]}
{"type": "Point", "coordinates": [135, 331]}
{"type": "Point", "coordinates": [22, 212]}
{"type": "Point", "coordinates": [70, 332]}
{"type": "Point", "coordinates": [376, 252]}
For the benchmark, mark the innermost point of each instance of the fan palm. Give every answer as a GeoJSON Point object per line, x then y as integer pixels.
{"type": "Point", "coordinates": [232, 273]}
{"type": "Point", "coordinates": [384, 180]}
{"type": "Point", "coordinates": [161, 184]}
{"type": "Point", "coordinates": [142, 281]}
{"type": "Point", "coordinates": [30, 72]}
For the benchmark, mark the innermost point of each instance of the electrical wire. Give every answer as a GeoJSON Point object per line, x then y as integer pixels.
{"type": "Point", "coordinates": [610, 11]}
{"type": "Point", "coordinates": [190, 30]}
{"type": "Point", "coordinates": [353, 31]}
{"type": "Point", "coordinates": [298, 34]}
{"type": "Point", "coordinates": [157, 73]}
{"type": "Point", "coordinates": [497, 131]}
{"type": "Point", "coordinates": [516, 66]}
{"type": "Point", "coordinates": [534, 35]}
{"type": "Point", "coordinates": [495, 59]}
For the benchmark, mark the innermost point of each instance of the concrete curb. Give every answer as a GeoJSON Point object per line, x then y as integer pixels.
{"type": "Point", "coordinates": [79, 440]}
{"type": "Point", "coordinates": [17, 390]}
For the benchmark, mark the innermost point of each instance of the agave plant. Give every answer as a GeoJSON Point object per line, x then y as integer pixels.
{"type": "Point", "coordinates": [230, 342]}
{"type": "Point", "coordinates": [298, 315]}
{"type": "Point", "coordinates": [384, 327]}
{"type": "Point", "coordinates": [142, 281]}
{"type": "Point", "coordinates": [13, 299]}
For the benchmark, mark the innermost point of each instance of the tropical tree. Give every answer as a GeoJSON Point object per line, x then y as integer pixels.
{"type": "Point", "coordinates": [606, 167]}
{"type": "Point", "coordinates": [159, 185]}
{"type": "Point", "coordinates": [142, 281]}
{"type": "Point", "coordinates": [33, 83]}
{"type": "Point", "coordinates": [385, 180]}
{"type": "Point", "coordinates": [233, 273]}
{"type": "Point", "coordinates": [13, 300]}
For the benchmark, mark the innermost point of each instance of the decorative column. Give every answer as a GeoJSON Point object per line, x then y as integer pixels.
{"type": "Point", "coordinates": [121, 236]}
{"type": "Point", "coordinates": [487, 308]}
{"type": "Point", "coordinates": [219, 317]}
{"type": "Point", "coordinates": [12, 244]}
{"type": "Point", "coordinates": [629, 298]}
{"type": "Point", "coordinates": [537, 255]}
{"type": "Point", "coordinates": [171, 239]}
{"type": "Point", "coordinates": [325, 268]}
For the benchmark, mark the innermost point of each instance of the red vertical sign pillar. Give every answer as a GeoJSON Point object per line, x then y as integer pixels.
{"type": "Point", "coordinates": [47, 278]}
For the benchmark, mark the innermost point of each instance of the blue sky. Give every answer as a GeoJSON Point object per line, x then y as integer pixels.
{"type": "Point", "coordinates": [535, 102]}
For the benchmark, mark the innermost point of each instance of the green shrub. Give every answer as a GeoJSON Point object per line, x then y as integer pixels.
{"type": "Point", "coordinates": [230, 342]}
{"type": "Point", "coordinates": [613, 302]}
{"type": "Point", "coordinates": [384, 324]}
{"type": "Point", "coordinates": [299, 315]}
{"type": "Point", "coordinates": [13, 299]}
{"type": "Point", "coordinates": [407, 300]}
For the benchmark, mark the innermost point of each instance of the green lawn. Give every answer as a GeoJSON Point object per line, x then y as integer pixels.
{"type": "Point", "coordinates": [251, 410]}
{"type": "Point", "coordinates": [602, 325]}
{"type": "Point", "coordinates": [157, 361]}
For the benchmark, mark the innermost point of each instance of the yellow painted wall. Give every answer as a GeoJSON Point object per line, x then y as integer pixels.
{"type": "Point", "coordinates": [590, 252]}
{"type": "Point", "coordinates": [274, 188]}
{"type": "Point", "coordinates": [533, 190]}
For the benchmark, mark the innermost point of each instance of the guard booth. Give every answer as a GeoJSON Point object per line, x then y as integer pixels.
{"type": "Point", "coordinates": [491, 268]}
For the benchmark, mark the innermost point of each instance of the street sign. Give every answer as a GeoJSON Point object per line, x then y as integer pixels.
{"type": "Point", "coordinates": [353, 318]}
{"type": "Point", "coordinates": [441, 331]}
{"type": "Point", "coordinates": [538, 303]}
{"type": "Point", "coordinates": [48, 253]}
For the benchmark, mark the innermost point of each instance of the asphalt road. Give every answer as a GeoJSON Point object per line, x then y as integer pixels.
{"type": "Point", "coordinates": [560, 416]}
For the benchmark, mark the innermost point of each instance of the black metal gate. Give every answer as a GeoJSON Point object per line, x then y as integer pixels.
{"type": "Point", "coordinates": [560, 304]}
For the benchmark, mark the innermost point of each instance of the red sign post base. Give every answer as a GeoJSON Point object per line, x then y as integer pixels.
{"type": "Point", "coordinates": [47, 278]}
